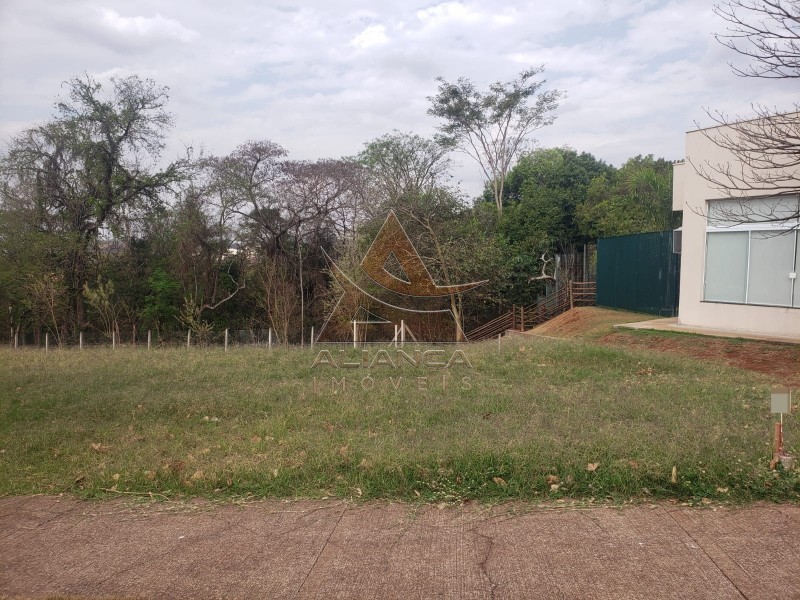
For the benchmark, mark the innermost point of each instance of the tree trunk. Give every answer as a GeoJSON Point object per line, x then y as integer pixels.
{"type": "Point", "coordinates": [456, 310]}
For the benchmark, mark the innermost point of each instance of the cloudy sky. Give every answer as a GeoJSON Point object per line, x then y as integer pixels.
{"type": "Point", "coordinates": [323, 77]}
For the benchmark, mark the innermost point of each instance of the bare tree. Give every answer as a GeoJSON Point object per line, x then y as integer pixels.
{"type": "Point", "coordinates": [244, 184]}
{"type": "Point", "coordinates": [278, 295]}
{"type": "Point", "coordinates": [766, 148]}
{"type": "Point", "coordinates": [320, 199]}
{"type": "Point", "coordinates": [287, 210]}
{"type": "Point", "coordinates": [493, 127]}
{"type": "Point", "coordinates": [109, 308]}
{"type": "Point", "coordinates": [47, 301]}
{"type": "Point", "coordinates": [544, 276]}
{"type": "Point", "coordinates": [278, 198]}
{"type": "Point", "coordinates": [766, 33]}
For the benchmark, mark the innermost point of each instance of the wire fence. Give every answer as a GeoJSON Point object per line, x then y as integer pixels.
{"type": "Point", "coordinates": [226, 339]}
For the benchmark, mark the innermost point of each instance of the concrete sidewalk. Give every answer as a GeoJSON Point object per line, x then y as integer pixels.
{"type": "Point", "coordinates": [671, 324]}
{"type": "Point", "coordinates": [331, 549]}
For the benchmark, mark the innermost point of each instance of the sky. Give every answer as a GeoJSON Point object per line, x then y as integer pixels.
{"type": "Point", "coordinates": [322, 78]}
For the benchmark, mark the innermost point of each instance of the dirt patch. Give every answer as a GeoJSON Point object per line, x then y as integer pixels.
{"type": "Point", "coordinates": [779, 361]}
{"type": "Point", "coordinates": [586, 322]}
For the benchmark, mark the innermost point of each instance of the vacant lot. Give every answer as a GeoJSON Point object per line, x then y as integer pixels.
{"type": "Point", "coordinates": [536, 418]}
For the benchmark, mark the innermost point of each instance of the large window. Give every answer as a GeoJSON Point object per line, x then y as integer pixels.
{"type": "Point", "coordinates": [753, 251]}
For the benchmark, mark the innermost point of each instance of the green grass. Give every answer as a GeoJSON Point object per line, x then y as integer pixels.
{"type": "Point", "coordinates": [251, 422]}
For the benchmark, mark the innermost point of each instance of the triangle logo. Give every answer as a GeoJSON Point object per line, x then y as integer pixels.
{"type": "Point", "coordinates": [393, 267]}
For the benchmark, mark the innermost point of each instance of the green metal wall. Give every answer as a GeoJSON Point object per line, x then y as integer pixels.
{"type": "Point", "coordinates": [639, 272]}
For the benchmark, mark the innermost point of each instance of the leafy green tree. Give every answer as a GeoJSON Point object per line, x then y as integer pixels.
{"type": "Point", "coordinates": [161, 303]}
{"type": "Point", "coordinates": [405, 163]}
{"type": "Point", "coordinates": [89, 169]}
{"type": "Point", "coordinates": [546, 186]}
{"type": "Point", "coordinates": [635, 199]}
{"type": "Point", "coordinates": [545, 190]}
{"type": "Point", "coordinates": [493, 127]}
{"type": "Point", "coordinates": [29, 253]}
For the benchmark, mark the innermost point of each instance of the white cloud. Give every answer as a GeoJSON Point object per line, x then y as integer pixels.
{"type": "Point", "coordinates": [156, 26]}
{"type": "Point", "coordinates": [323, 77]}
{"type": "Point", "coordinates": [373, 35]}
{"type": "Point", "coordinates": [446, 13]}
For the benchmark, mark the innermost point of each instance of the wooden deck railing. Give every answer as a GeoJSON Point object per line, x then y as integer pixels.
{"type": "Point", "coordinates": [520, 318]}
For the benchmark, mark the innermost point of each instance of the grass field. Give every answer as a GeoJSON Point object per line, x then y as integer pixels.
{"type": "Point", "coordinates": [538, 418]}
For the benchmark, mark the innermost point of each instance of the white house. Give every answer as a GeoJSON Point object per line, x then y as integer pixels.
{"type": "Point", "coordinates": [739, 265]}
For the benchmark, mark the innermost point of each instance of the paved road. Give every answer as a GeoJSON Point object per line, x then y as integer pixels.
{"type": "Point", "coordinates": [64, 547]}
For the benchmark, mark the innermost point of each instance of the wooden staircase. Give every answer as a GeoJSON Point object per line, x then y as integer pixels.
{"type": "Point", "coordinates": [521, 318]}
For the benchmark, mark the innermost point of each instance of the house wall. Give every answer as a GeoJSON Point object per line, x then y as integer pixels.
{"type": "Point", "coordinates": [691, 194]}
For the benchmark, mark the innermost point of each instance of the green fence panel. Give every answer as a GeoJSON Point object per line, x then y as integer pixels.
{"type": "Point", "coordinates": [639, 272]}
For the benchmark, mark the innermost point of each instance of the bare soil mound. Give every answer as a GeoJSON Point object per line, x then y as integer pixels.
{"type": "Point", "coordinates": [586, 322]}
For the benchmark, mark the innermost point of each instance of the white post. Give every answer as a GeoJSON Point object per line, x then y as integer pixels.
{"type": "Point", "coordinates": [46, 341]}
{"type": "Point", "coordinates": [355, 333]}
{"type": "Point", "coordinates": [80, 340]}
{"type": "Point", "coordinates": [269, 343]}
{"type": "Point", "coordinates": [402, 333]}
{"type": "Point", "coordinates": [113, 340]}
{"type": "Point", "coordinates": [396, 335]}
{"type": "Point", "coordinates": [189, 338]}
{"type": "Point", "coordinates": [312, 338]}
{"type": "Point", "coordinates": [498, 341]}
{"type": "Point", "coordinates": [16, 340]}
{"type": "Point", "coordinates": [226, 339]}
{"type": "Point", "coordinates": [133, 337]}
{"type": "Point", "coordinates": [148, 339]}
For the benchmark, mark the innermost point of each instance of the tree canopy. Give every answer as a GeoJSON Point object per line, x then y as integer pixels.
{"type": "Point", "coordinates": [99, 235]}
{"type": "Point", "coordinates": [493, 126]}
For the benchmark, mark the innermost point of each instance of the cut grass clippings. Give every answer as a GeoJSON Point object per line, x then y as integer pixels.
{"type": "Point", "coordinates": [536, 419]}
